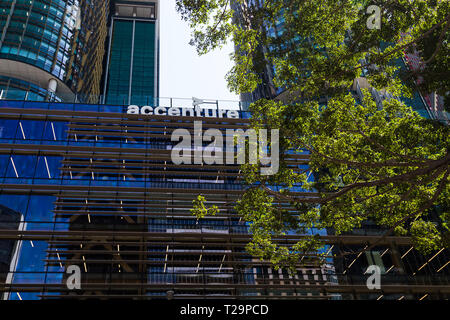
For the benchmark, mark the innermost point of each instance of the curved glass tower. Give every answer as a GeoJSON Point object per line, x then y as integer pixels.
{"type": "Point", "coordinates": [52, 49]}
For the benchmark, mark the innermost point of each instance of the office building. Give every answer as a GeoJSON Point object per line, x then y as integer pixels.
{"type": "Point", "coordinates": [132, 70]}
{"type": "Point", "coordinates": [96, 188]}
{"type": "Point", "coordinates": [52, 50]}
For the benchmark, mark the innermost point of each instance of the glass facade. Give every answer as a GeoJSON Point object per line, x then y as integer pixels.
{"type": "Point", "coordinates": [132, 63]}
{"type": "Point", "coordinates": [95, 187]}
{"type": "Point", "coordinates": [133, 58]}
{"type": "Point", "coordinates": [119, 74]}
{"type": "Point", "coordinates": [52, 39]}
{"type": "Point", "coordinates": [91, 186]}
{"type": "Point", "coordinates": [94, 171]}
{"type": "Point", "coordinates": [147, 200]}
{"type": "Point", "coordinates": [143, 63]}
{"type": "Point", "coordinates": [16, 89]}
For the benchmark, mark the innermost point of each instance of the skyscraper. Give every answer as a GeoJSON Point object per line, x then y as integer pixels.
{"type": "Point", "coordinates": [98, 189]}
{"type": "Point", "coordinates": [52, 50]}
{"type": "Point", "coordinates": [132, 70]}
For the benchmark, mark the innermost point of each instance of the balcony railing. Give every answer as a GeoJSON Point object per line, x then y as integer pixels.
{"type": "Point", "coordinates": [122, 100]}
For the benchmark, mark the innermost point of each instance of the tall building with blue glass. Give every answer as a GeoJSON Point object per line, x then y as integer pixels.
{"type": "Point", "coordinates": [132, 70]}
{"type": "Point", "coordinates": [52, 50]}
{"type": "Point", "coordinates": [93, 185]}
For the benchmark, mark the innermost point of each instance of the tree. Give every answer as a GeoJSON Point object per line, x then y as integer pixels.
{"type": "Point", "coordinates": [387, 165]}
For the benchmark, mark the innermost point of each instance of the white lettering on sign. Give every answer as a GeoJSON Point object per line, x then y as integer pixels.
{"type": "Point", "coordinates": [185, 112]}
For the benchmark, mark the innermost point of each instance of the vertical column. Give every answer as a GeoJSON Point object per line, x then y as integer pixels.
{"type": "Point", "coordinates": [51, 88]}
{"type": "Point", "coordinates": [156, 68]}
{"type": "Point", "coordinates": [131, 63]}
{"type": "Point", "coordinates": [13, 4]}
{"type": "Point", "coordinates": [108, 58]}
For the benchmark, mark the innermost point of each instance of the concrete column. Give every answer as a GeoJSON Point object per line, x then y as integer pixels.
{"type": "Point", "coordinates": [52, 85]}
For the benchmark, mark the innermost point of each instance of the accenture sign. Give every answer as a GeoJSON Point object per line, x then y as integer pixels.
{"type": "Point", "coordinates": [185, 112]}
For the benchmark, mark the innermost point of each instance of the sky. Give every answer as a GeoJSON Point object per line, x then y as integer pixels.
{"type": "Point", "coordinates": [183, 74]}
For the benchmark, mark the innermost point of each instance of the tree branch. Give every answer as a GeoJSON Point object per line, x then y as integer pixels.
{"type": "Point", "coordinates": [426, 206]}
